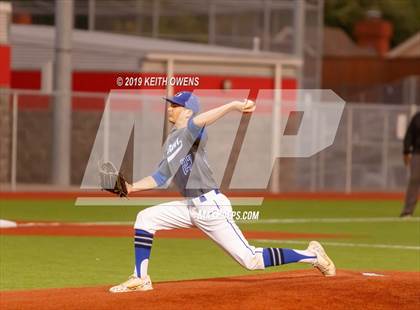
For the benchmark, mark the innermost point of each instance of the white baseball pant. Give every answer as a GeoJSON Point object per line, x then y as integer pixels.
{"type": "Point", "coordinates": [209, 213]}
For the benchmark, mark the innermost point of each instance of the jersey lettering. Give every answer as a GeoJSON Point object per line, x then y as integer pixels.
{"type": "Point", "coordinates": [186, 164]}
{"type": "Point", "coordinates": [174, 148]}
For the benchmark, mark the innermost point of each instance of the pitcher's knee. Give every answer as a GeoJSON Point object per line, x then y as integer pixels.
{"type": "Point", "coordinates": [143, 222]}
{"type": "Point", "coordinates": [252, 262]}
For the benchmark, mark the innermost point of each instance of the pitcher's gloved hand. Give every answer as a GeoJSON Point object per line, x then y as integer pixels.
{"type": "Point", "coordinates": [112, 180]}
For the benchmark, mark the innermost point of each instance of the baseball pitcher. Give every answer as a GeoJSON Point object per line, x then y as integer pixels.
{"type": "Point", "coordinates": [205, 207]}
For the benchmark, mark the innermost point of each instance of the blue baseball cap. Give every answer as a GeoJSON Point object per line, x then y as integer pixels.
{"type": "Point", "coordinates": [187, 100]}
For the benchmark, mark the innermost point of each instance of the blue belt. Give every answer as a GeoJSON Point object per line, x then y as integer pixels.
{"type": "Point", "coordinates": [203, 198]}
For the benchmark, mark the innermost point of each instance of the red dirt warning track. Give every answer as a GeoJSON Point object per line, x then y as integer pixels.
{"type": "Point", "coordinates": [285, 290]}
{"type": "Point", "coordinates": [48, 195]}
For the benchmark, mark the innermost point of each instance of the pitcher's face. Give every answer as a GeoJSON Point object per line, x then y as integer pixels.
{"type": "Point", "coordinates": [174, 111]}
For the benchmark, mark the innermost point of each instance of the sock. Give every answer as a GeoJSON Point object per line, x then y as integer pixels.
{"type": "Point", "coordinates": [280, 256]}
{"type": "Point", "coordinates": [142, 247]}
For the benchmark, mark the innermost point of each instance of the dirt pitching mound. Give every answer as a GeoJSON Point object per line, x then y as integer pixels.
{"type": "Point", "coordinates": [286, 290]}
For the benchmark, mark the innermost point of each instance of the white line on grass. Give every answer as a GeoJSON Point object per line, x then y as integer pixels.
{"type": "Point", "coordinates": [263, 221]}
{"type": "Point", "coordinates": [49, 224]}
{"type": "Point", "coordinates": [339, 244]}
{"type": "Point", "coordinates": [333, 220]}
{"type": "Point", "coordinates": [344, 244]}
{"type": "Point", "coordinates": [150, 201]}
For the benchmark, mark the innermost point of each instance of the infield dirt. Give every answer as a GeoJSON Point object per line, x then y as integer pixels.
{"type": "Point", "coordinates": [283, 290]}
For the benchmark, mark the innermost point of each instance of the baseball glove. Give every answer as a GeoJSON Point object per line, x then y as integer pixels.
{"type": "Point", "coordinates": [112, 180]}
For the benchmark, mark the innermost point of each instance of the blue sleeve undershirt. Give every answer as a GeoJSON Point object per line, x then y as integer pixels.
{"type": "Point", "coordinates": [159, 178]}
{"type": "Point", "coordinates": [196, 131]}
{"type": "Point", "coordinates": [161, 175]}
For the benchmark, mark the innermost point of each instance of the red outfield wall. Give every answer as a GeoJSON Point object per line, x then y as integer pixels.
{"type": "Point", "coordinates": [4, 65]}
{"type": "Point", "coordinates": [103, 82]}
{"type": "Point", "coordinates": [154, 193]}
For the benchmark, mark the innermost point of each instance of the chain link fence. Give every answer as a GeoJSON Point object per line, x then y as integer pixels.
{"type": "Point", "coordinates": [365, 156]}
{"type": "Point", "coordinates": [284, 26]}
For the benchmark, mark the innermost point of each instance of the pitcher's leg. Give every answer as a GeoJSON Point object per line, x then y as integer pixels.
{"type": "Point", "coordinates": [161, 217]}
{"type": "Point", "coordinates": [165, 216]}
{"type": "Point", "coordinates": [230, 238]}
{"type": "Point", "coordinates": [224, 231]}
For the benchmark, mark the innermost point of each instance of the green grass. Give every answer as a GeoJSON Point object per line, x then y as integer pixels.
{"type": "Point", "coordinates": [65, 210]}
{"type": "Point", "coordinates": [42, 261]}
{"type": "Point", "coordinates": [73, 261]}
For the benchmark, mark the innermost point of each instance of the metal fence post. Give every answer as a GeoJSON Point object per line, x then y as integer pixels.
{"type": "Point", "coordinates": [14, 142]}
{"type": "Point", "coordinates": [321, 157]}
{"type": "Point", "coordinates": [106, 127]}
{"type": "Point", "coordinates": [91, 15]}
{"type": "Point", "coordinates": [349, 148]}
{"type": "Point", "coordinates": [276, 126]}
{"type": "Point", "coordinates": [385, 146]}
{"type": "Point", "coordinates": [313, 160]}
